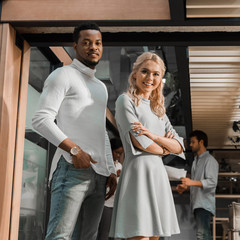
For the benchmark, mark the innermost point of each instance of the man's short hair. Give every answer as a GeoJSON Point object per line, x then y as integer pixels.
{"type": "Point", "coordinates": [200, 135]}
{"type": "Point", "coordinates": [84, 26]}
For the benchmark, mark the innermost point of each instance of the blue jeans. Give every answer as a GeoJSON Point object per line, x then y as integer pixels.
{"type": "Point", "coordinates": [203, 219]}
{"type": "Point", "coordinates": [77, 201]}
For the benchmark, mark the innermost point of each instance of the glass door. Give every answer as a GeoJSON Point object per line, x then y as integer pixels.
{"type": "Point", "coordinates": [34, 196]}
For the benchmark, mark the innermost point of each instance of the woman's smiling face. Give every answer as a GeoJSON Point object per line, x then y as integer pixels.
{"type": "Point", "coordinates": [148, 77]}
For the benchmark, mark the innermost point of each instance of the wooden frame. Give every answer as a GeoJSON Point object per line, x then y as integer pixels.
{"type": "Point", "coordinates": [13, 94]}
{"type": "Point", "coordinates": [34, 10]}
{"type": "Point", "coordinates": [22, 108]}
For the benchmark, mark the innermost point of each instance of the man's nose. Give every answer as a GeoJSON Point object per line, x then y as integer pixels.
{"type": "Point", "coordinates": [93, 46]}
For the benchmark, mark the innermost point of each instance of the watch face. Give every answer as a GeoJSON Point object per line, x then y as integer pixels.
{"type": "Point", "coordinates": [74, 151]}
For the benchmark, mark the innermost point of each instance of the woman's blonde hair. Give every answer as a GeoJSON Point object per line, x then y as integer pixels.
{"type": "Point", "coordinates": [156, 97]}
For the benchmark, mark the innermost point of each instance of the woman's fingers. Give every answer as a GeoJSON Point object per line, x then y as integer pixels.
{"type": "Point", "coordinates": [169, 134]}
{"type": "Point", "coordinates": [142, 133]}
{"type": "Point", "coordinates": [136, 123]}
{"type": "Point", "coordinates": [138, 128]}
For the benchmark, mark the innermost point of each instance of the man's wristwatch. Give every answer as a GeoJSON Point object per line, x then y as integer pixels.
{"type": "Point", "coordinates": [74, 151]}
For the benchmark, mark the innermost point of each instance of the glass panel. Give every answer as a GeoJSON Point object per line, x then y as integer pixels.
{"type": "Point", "coordinates": [113, 69]}
{"type": "Point", "coordinates": [35, 163]}
{"type": "Point", "coordinates": [33, 198]}
{"type": "Point", "coordinates": [116, 65]}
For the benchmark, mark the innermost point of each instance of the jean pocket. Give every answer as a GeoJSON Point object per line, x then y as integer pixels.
{"type": "Point", "coordinates": [59, 174]}
{"type": "Point", "coordinates": [79, 175]}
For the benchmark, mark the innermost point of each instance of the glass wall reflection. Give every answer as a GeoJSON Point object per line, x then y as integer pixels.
{"type": "Point", "coordinates": [32, 220]}
{"type": "Point", "coordinates": [116, 65]}
{"type": "Point", "coordinates": [33, 198]}
{"type": "Point", "coordinates": [113, 70]}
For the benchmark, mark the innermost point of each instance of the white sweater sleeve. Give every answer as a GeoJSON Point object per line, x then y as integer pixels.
{"type": "Point", "coordinates": [54, 91]}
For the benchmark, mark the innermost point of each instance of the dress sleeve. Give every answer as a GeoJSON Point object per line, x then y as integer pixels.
{"type": "Point", "coordinates": [169, 127]}
{"type": "Point", "coordinates": [125, 117]}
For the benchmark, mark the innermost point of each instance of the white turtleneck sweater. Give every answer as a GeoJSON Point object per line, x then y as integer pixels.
{"type": "Point", "coordinates": [77, 100]}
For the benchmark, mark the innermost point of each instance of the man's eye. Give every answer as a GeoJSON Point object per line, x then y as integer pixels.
{"type": "Point", "coordinates": [156, 74]}
{"type": "Point", "coordinates": [144, 71]}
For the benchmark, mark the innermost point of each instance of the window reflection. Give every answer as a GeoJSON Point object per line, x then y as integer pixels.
{"type": "Point", "coordinates": [116, 65]}
{"type": "Point", "coordinates": [32, 220]}
{"type": "Point", "coordinates": [33, 198]}
{"type": "Point", "coordinates": [113, 69]}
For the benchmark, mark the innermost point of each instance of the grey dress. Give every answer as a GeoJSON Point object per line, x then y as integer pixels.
{"type": "Point", "coordinates": [143, 204]}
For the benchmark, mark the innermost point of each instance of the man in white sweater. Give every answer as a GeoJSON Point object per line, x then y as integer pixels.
{"type": "Point", "coordinates": [82, 164]}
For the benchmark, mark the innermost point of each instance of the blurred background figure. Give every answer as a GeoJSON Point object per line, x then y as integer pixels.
{"type": "Point", "coordinates": [202, 184]}
{"type": "Point", "coordinates": [104, 226]}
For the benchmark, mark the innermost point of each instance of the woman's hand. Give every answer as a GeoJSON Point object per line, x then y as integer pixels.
{"type": "Point", "coordinates": [169, 134]}
{"type": "Point", "coordinates": [138, 127]}
{"type": "Point", "coordinates": [165, 151]}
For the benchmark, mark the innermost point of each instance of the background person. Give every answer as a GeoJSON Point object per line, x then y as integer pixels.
{"type": "Point", "coordinates": [77, 100]}
{"type": "Point", "coordinates": [104, 226]}
{"type": "Point", "coordinates": [144, 207]}
{"type": "Point", "coordinates": [203, 182]}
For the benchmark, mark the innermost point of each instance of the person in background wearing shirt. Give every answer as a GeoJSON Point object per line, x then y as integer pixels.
{"type": "Point", "coordinates": [82, 164]}
{"type": "Point", "coordinates": [104, 226]}
{"type": "Point", "coordinates": [203, 182]}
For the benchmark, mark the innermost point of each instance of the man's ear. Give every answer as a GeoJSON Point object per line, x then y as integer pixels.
{"type": "Point", "coordinates": [202, 142]}
{"type": "Point", "coordinates": [74, 45]}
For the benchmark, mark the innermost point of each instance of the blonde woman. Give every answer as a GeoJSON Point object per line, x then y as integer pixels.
{"type": "Point", "coordinates": [144, 207]}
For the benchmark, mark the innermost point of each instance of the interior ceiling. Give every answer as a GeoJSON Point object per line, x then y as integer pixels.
{"type": "Point", "coordinates": [215, 93]}
{"type": "Point", "coordinates": [215, 78]}
{"type": "Point", "coordinates": [212, 8]}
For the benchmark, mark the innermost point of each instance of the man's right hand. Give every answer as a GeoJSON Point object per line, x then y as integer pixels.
{"type": "Point", "coordinates": [82, 160]}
